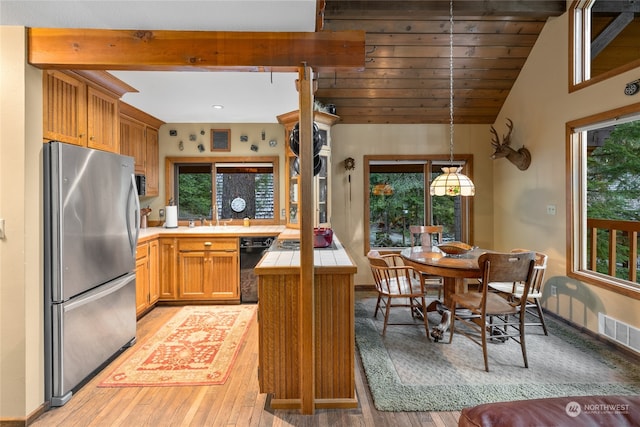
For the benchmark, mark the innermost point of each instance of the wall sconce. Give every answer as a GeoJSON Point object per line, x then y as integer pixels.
{"type": "Point", "coordinates": [349, 163]}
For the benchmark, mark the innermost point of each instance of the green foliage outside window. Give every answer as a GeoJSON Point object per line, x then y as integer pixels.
{"type": "Point", "coordinates": [391, 214]}
{"type": "Point", "coordinates": [195, 195]}
{"type": "Point", "coordinates": [613, 191]}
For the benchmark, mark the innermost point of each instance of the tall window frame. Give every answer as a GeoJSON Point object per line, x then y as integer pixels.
{"type": "Point", "coordinates": [172, 165]}
{"type": "Point", "coordinates": [578, 232]}
{"type": "Point", "coordinates": [580, 43]}
{"type": "Point", "coordinates": [431, 166]}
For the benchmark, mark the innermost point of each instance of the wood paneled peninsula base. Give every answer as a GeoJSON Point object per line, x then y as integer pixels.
{"type": "Point", "coordinates": [280, 323]}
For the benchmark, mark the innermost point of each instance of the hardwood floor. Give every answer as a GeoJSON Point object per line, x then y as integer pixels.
{"type": "Point", "coordinates": [236, 403]}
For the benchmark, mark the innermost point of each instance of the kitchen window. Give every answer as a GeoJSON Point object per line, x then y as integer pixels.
{"type": "Point", "coordinates": [397, 196]}
{"type": "Point", "coordinates": [224, 190]}
{"type": "Point", "coordinates": [604, 189]}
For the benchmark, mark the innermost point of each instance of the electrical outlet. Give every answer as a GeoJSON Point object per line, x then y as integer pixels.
{"type": "Point", "coordinates": [161, 213]}
{"type": "Point", "coordinates": [551, 209]}
{"type": "Point", "coordinates": [2, 236]}
{"type": "Point", "coordinates": [554, 291]}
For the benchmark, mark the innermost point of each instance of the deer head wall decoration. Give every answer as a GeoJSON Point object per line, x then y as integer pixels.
{"type": "Point", "coordinates": [521, 158]}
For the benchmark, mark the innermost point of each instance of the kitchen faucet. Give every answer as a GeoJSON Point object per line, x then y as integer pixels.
{"type": "Point", "coordinates": [215, 211]}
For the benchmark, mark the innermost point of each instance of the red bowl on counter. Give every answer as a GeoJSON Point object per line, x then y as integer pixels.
{"type": "Point", "coordinates": [322, 237]}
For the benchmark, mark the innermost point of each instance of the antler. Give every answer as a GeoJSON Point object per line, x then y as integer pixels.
{"type": "Point", "coordinates": [495, 141]}
{"type": "Point", "coordinates": [506, 140]}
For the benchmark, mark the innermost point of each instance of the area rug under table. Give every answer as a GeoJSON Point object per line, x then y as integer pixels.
{"type": "Point", "coordinates": [198, 346]}
{"type": "Point", "coordinates": [407, 372]}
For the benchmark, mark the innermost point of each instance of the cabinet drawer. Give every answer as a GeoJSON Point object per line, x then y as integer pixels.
{"type": "Point", "coordinates": [142, 250]}
{"type": "Point", "coordinates": [216, 244]}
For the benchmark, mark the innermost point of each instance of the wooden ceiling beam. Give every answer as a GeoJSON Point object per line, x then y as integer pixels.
{"type": "Point", "coordinates": [418, 8]}
{"type": "Point", "coordinates": [488, 117]}
{"type": "Point", "coordinates": [91, 49]}
{"type": "Point", "coordinates": [412, 25]}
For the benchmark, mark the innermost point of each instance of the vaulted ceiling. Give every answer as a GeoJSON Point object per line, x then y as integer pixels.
{"type": "Point", "coordinates": [406, 77]}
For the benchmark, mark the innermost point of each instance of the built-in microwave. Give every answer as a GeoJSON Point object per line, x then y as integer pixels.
{"type": "Point", "coordinates": [141, 184]}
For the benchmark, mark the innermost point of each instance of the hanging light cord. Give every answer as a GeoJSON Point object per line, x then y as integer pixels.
{"type": "Point", "coordinates": [451, 81]}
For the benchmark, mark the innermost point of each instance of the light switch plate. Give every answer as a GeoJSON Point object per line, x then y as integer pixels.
{"type": "Point", "coordinates": [2, 236]}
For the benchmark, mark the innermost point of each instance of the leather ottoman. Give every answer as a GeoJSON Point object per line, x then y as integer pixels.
{"type": "Point", "coordinates": [578, 411]}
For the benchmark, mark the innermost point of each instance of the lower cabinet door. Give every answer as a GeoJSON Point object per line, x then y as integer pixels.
{"type": "Point", "coordinates": [208, 275]}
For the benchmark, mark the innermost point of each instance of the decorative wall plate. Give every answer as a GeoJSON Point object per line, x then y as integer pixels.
{"type": "Point", "coordinates": [238, 204]}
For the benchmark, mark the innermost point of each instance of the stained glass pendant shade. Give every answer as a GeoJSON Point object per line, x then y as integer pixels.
{"type": "Point", "coordinates": [451, 182]}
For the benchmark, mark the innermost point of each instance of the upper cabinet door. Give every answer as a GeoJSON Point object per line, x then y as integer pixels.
{"type": "Point", "coordinates": [152, 162]}
{"type": "Point", "coordinates": [103, 121]}
{"type": "Point", "coordinates": [132, 142]}
{"type": "Point", "coordinates": [64, 112]}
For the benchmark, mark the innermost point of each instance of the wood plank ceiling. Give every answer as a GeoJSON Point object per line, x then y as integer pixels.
{"type": "Point", "coordinates": [406, 76]}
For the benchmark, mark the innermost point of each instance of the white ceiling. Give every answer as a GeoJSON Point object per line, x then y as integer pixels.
{"type": "Point", "coordinates": [181, 97]}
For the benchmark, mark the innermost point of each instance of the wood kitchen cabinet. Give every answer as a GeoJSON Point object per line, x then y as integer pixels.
{"type": "Point", "coordinates": [147, 285]}
{"type": "Point", "coordinates": [208, 269]}
{"type": "Point", "coordinates": [102, 121]}
{"type": "Point", "coordinates": [139, 139]}
{"type": "Point", "coordinates": [280, 329]}
{"type": "Point", "coordinates": [64, 108]}
{"type": "Point", "coordinates": [132, 142]}
{"type": "Point", "coordinates": [81, 108]}
{"type": "Point", "coordinates": [168, 268]}
{"type": "Point", "coordinates": [152, 152]}
{"type": "Point", "coordinates": [322, 181]}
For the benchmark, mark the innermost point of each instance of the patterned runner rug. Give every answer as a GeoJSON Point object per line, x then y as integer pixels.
{"type": "Point", "coordinates": [407, 372]}
{"type": "Point", "coordinates": [198, 346]}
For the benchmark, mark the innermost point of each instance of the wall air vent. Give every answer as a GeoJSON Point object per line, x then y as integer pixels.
{"type": "Point", "coordinates": [627, 335]}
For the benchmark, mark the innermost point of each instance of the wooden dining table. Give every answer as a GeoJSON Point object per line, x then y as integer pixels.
{"type": "Point", "coordinates": [454, 269]}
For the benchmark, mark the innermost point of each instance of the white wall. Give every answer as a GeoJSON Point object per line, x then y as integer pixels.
{"type": "Point", "coordinates": [540, 105]}
{"type": "Point", "coordinates": [21, 307]}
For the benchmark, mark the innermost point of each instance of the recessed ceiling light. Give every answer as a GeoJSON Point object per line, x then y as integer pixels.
{"type": "Point", "coordinates": [218, 107]}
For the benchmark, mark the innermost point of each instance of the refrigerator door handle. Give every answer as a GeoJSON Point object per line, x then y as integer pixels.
{"type": "Point", "coordinates": [133, 238]}
{"type": "Point", "coordinates": [116, 285]}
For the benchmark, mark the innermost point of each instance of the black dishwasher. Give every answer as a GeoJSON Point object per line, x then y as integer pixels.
{"type": "Point", "coordinates": [251, 251]}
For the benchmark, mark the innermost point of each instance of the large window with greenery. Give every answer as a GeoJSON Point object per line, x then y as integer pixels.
{"type": "Point", "coordinates": [398, 196]}
{"type": "Point", "coordinates": [605, 189]}
{"type": "Point", "coordinates": [603, 38]}
{"type": "Point", "coordinates": [204, 189]}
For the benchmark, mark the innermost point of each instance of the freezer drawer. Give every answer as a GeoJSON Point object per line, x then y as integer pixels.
{"type": "Point", "coordinates": [88, 330]}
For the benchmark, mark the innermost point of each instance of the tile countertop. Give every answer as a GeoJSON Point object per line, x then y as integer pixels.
{"type": "Point", "coordinates": [324, 259]}
{"type": "Point", "coordinates": [273, 260]}
{"type": "Point", "coordinates": [221, 231]}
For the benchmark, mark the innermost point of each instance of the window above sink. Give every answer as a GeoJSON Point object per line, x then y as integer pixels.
{"type": "Point", "coordinates": [224, 189]}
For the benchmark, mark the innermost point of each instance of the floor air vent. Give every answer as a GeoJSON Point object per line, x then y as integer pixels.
{"type": "Point", "coordinates": [620, 332]}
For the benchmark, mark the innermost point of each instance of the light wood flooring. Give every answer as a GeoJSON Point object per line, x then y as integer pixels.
{"type": "Point", "coordinates": [236, 403]}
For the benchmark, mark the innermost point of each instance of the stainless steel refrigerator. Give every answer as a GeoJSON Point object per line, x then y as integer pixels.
{"type": "Point", "coordinates": [91, 226]}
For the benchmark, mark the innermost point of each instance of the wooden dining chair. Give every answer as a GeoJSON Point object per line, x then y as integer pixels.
{"type": "Point", "coordinates": [397, 286]}
{"type": "Point", "coordinates": [514, 291]}
{"type": "Point", "coordinates": [487, 312]}
{"type": "Point", "coordinates": [428, 235]}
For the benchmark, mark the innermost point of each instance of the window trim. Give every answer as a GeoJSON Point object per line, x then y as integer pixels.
{"type": "Point", "coordinates": [579, 33]}
{"type": "Point", "coordinates": [169, 181]}
{"type": "Point", "coordinates": [467, 212]}
{"type": "Point", "coordinates": [576, 234]}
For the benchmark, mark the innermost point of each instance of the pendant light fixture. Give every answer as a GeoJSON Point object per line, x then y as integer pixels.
{"type": "Point", "coordinates": [452, 182]}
